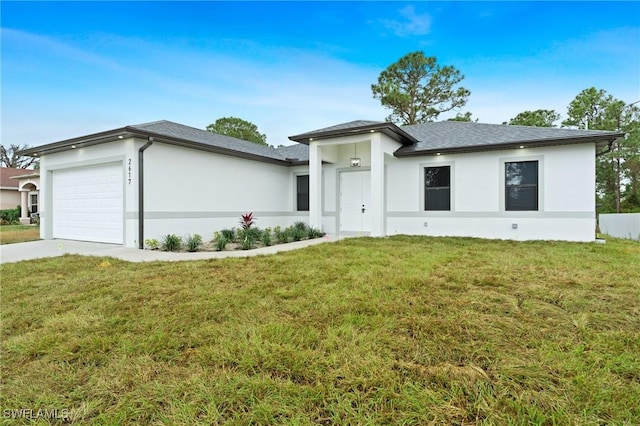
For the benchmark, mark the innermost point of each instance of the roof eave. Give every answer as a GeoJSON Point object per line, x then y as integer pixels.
{"type": "Point", "coordinates": [599, 140]}
{"type": "Point", "coordinates": [129, 132]}
{"type": "Point", "coordinates": [27, 176]}
{"type": "Point", "coordinates": [211, 148]}
{"type": "Point", "coordinates": [79, 142]}
{"type": "Point", "coordinates": [388, 129]}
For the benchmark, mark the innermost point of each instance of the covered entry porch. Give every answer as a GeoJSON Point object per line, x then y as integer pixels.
{"type": "Point", "coordinates": [356, 153]}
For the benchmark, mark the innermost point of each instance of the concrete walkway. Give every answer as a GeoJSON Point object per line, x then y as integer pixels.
{"type": "Point", "coordinates": [52, 248]}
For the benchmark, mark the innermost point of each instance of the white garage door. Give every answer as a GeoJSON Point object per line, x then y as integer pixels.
{"type": "Point", "coordinates": [88, 203]}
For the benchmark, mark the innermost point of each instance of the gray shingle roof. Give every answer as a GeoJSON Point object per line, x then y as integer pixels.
{"type": "Point", "coordinates": [297, 152]}
{"type": "Point", "coordinates": [192, 134]}
{"type": "Point", "coordinates": [355, 128]}
{"type": "Point", "coordinates": [456, 135]}
{"type": "Point", "coordinates": [345, 126]}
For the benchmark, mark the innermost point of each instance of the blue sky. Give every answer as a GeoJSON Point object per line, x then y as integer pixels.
{"type": "Point", "coordinates": [73, 68]}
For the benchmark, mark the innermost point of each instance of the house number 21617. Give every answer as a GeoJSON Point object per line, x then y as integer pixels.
{"type": "Point", "coordinates": [129, 171]}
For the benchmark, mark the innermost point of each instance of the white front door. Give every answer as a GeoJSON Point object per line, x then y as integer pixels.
{"type": "Point", "coordinates": [355, 200]}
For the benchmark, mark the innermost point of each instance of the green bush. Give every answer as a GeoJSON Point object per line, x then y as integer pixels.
{"type": "Point", "coordinates": [314, 233]}
{"type": "Point", "coordinates": [193, 242]}
{"type": "Point", "coordinates": [298, 232]}
{"type": "Point", "coordinates": [152, 243]}
{"type": "Point", "coordinates": [229, 234]}
{"type": "Point", "coordinates": [10, 216]}
{"type": "Point", "coordinates": [301, 226]}
{"type": "Point", "coordinates": [282, 235]}
{"type": "Point", "coordinates": [221, 242]}
{"type": "Point", "coordinates": [171, 242]}
{"type": "Point", "coordinates": [247, 243]}
{"type": "Point", "coordinates": [266, 237]}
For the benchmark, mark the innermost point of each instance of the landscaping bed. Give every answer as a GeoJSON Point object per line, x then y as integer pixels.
{"type": "Point", "coordinates": [246, 237]}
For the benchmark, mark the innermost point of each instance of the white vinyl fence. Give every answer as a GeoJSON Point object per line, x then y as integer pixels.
{"type": "Point", "coordinates": [621, 225]}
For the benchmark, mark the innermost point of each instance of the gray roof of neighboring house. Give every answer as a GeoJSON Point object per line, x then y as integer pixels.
{"type": "Point", "coordinates": [456, 136]}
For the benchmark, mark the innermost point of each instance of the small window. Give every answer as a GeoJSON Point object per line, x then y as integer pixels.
{"type": "Point", "coordinates": [521, 186]}
{"type": "Point", "coordinates": [34, 203]}
{"type": "Point", "coordinates": [302, 192]}
{"type": "Point", "coordinates": [437, 188]}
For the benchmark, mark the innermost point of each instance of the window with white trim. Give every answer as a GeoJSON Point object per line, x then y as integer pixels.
{"type": "Point", "coordinates": [437, 188]}
{"type": "Point", "coordinates": [521, 186]}
{"type": "Point", "coordinates": [302, 193]}
{"type": "Point", "coordinates": [34, 202]}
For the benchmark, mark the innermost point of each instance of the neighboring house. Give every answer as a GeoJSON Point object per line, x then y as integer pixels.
{"type": "Point", "coordinates": [364, 177]}
{"type": "Point", "coordinates": [19, 187]}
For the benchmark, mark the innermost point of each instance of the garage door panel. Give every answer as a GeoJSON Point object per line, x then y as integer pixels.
{"type": "Point", "coordinates": [88, 203]}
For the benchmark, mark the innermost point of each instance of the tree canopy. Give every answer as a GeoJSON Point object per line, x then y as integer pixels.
{"type": "Point", "coordinates": [418, 90]}
{"type": "Point", "coordinates": [238, 128]}
{"type": "Point", "coordinates": [466, 117]}
{"type": "Point", "coordinates": [618, 169]}
{"type": "Point", "coordinates": [10, 158]}
{"type": "Point", "coordinates": [537, 118]}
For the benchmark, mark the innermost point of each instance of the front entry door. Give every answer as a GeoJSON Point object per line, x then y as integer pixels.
{"type": "Point", "coordinates": [355, 200]}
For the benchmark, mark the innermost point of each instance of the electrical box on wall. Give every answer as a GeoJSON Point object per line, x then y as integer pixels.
{"type": "Point", "coordinates": [514, 226]}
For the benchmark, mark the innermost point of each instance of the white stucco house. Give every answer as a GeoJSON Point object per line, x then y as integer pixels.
{"type": "Point", "coordinates": [366, 177]}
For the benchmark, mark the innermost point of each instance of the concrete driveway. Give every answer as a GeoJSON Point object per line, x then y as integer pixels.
{"type": "Point", "coordinates": [52, 248]}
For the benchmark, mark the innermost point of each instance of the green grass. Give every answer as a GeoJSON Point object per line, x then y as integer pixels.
{"type": "Point", "coordinates": [402, 330]}
{"type": "Point", "coordinates": [19, 233]}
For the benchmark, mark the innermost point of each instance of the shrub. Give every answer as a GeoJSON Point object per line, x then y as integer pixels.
{"type": "Point", "coordinates": [254, 233]}
{"type": "Point", "coordinates": [152, 243]}
{"type": "Point", "coordinates": [229, 234]}
{"type": "Point", "coordinates": [266, 237]}
{"type": "Point", "coordinates": [247, 243]}
{"type": "Point", "coordinates": [297, 233]}
{"type": "Point", "coordinates": [282, 235]}
{"type": "Point", "coordinates": [171, 242]}
{"type": "Point", "coordinates": [247, 220]}
{"type": "Point", "coordinates": [301, 226]}
{"type": "Point", "coordinates": [314, 233]}
{"type": "Point", "coordinates": [10, 216]}
{"type": "Point", "coordinates": [193, 242]}
{"type": "Point", "coordinates": [221, 242]}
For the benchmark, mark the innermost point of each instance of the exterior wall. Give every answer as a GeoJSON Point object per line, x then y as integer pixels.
{"type": "Point", "coordinates": [197, 192]}
{"type": "Point", "coordinates": [9, 198]}
{"type": "Point", "coordinates": [621, 225]}
{"type": "Point", "coordinates": [566, 196]}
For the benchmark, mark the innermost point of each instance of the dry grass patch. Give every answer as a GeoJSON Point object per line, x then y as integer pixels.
{"type": "Point", "coordinates": [402, 330]}
{"type": "Point", "coordinates": [19, 233]}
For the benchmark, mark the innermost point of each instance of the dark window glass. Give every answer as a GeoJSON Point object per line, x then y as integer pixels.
{"type": "Point", "coordinates": [521, 182]}
{"type": "Point", "coordinates": [437, 188]}
{"type": "Point", "coordinates": [34, 203]}
{"type": "Point", "coordinates": [303, 193]}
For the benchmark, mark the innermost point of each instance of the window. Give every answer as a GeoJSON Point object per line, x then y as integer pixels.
{"type": "Point", "coordinates": [34, 203]}
{"type": "Point", "coordinates": [521, 186]}
{"type": "Point", "coordinates": [302, 191]}
{"type": "Point", "coordinates": [437, 188]}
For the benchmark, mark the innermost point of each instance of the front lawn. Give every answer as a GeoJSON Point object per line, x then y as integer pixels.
{"type": "Point", "coordinates": [401, 330]}
{"type": "Point", "coordinates": [19, 233]}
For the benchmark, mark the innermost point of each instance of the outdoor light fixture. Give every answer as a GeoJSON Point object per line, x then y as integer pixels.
{"type": "Point", "coordinates": [355, 160]}
{"type": "Point", "coordinates": [73, 146]}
